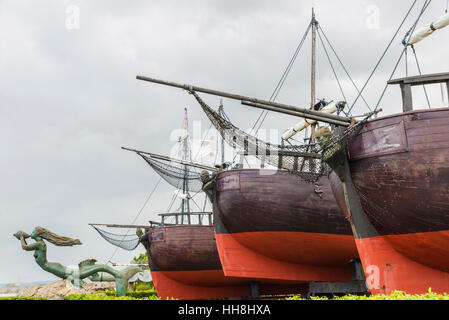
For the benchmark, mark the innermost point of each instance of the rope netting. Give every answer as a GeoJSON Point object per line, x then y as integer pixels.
{"type": "Point", "coordinates": [125, 241]}
{"type": "Point", "coordinates": [176, 174]}
{"type": "Point", "coordinates": [335, 149]}
{"type": "Point", "coordinates": [301, 160]}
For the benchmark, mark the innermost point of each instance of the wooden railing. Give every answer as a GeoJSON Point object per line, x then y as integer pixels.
{"type": "Point", "coordinates": [187, 215]}
{"type": "Point", "coordinates": [407, 83]}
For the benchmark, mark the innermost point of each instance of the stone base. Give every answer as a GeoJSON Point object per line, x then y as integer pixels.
{"type": "Point", "coordinates": [58, 290]}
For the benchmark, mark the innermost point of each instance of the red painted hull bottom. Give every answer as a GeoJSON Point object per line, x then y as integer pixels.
{"type": "Point", "coordinates": [210, 284]}
{"type": "Point", "coordinates": [293, 256]}
{"type": "Point", "coordinates": [387, 270]}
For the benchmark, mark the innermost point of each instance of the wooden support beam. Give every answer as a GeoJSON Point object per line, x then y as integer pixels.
{"type": "Point", "coordinates": [292, 111]}
{"type": "Point", "coordinates": [157, 156]}
{"type": "Point", "coordinates": [120, 225]}
{"type": "Point", "coordinates": [422, 79]}
{"type": "Point", "coordinates": [447, 87]}
{"type": "Point", "coordinates": [182, 214]}
{"type": "Point", "coordinates": [285, 153]}
{"type": "Point", "coordinates": [407, 99]}
{"type": "Point", "coordinates": [408, 82]}
{"type": "Point", "coordinates": [310, 113]}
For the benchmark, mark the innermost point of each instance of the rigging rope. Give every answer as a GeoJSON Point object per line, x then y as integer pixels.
{"type": "Point", "coordinates": [130, 242]}
{"type": "Point", "coordinates": [137, 216]}
{"type": "Point", "coordinates": [420, 73]}
{"type": "Point", "coordinates": [126, 242]}
{"type": "Point", "coordinates": [176, 174]}
{"type": "Point", "coordinates": [196, 204]}
{"type": "Point", "coordinates": [383, 55]}
{"type": "Point", "coordinates": [336, 147]}
{"type": "Point", "coordinates": [409, 35]}
{"type": "Point", "coordinates": [204, 205]}
{"type": "Point", "coordinates": [332, 66]}
{"type": "Point", "coordinates": [295, 159]}
{"type": "Point", "coordinates": [320, 30]}
{"type": "Point", "coordinates": [406, 61]}
{"type": "Point", "coordinates": [282, 80]}
{"type": "Point", "coordinates": [202, 141]}
{"type": "Point", "coordinates": [391, 77]}
{"type": "Point", "coordinates": [173, 200]}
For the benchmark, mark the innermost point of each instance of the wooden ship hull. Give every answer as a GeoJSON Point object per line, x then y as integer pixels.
{"type": "Point", "coordinates": [185, 265]}
{"type": "Point", "coordinates": [270, 224]}
{"type": "Point", "coordinates": [399, 166]}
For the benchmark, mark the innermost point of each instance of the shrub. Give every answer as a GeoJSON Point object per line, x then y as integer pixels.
{"type": "Point", "coordinates": [396, 295]}
{"type": "Point", "coordinates": [134, 294]}
{"type": "Point", "coordinates": [110, 295]}
{"type": "Point", "coordinates": [22, 298]}
{"type": "Point", "coordinates": [141, 286]}
{"type": "Point", "coordinates": [142, 294]}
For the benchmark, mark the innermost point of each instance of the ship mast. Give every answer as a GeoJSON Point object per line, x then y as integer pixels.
{"type": "Point", "coordinates": [313, 72]}
{"type": "Point", "coordinates": [220, 112]}
{"type": "Point", "coordinates": [314, 23]}
{"type": "Point", "coordinates": [185, 206]}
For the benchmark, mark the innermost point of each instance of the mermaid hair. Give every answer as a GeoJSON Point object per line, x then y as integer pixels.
{"type": "Point", "coordinates": [56, 239]}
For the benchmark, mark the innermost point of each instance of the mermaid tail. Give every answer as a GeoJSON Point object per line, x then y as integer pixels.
{"type": "Point", "coordinates": [121, 277]}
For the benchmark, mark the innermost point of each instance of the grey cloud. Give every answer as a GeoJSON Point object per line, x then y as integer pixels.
{"type": "Point", "coordinates": [69, 98]}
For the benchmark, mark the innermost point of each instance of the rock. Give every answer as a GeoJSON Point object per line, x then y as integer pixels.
{"type": "Point", "coordinates": [10, 289]}
{"type": "Point", "coordinates": [58, 290]}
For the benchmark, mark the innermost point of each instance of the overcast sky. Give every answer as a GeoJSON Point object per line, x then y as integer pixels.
{"type": "Point", "coordinates": [69, 98]}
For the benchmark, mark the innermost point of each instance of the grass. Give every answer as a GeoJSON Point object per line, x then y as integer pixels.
{"type": "Point", "coordinates": [144, 286]}
{"type": "Point", "coordinates": [21, 298]}
{"type": "Point", "coordinates": [144, 291]}
{"type": "Point", "coordinates": [107, 297]}
{"type": "Point", "coordinates": [396, 295]}
{"type": "Point", "coordinates": [151, 295]}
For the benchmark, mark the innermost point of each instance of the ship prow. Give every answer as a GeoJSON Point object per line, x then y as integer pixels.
{"type": "Point", "coordinates": [397, 170]}
{"type": "Point", "coordinates": [273, 226]}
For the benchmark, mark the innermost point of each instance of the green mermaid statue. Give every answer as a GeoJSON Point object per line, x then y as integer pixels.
{"type": "Point", "coordinates": [86, 268]}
